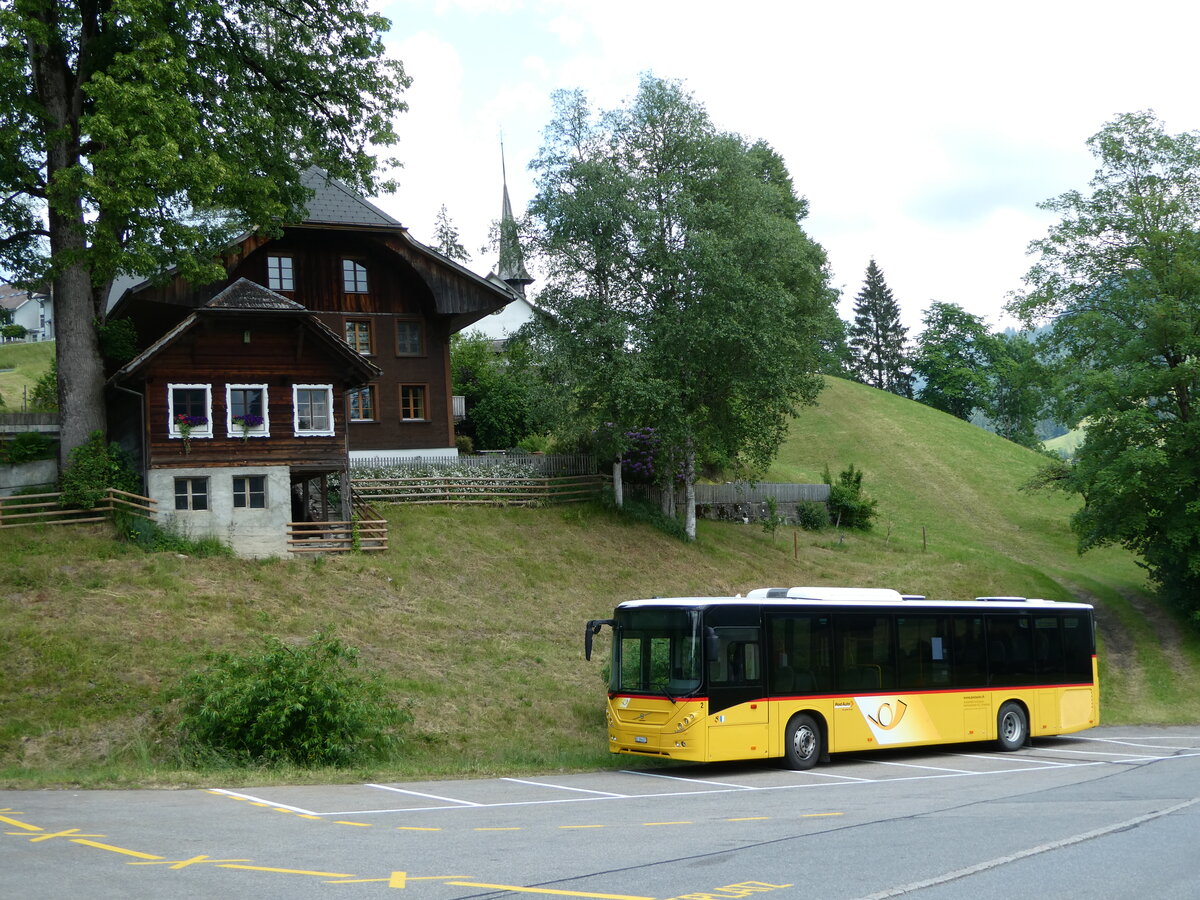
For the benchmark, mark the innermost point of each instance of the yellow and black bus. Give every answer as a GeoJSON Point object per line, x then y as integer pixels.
{"type": "Point", "coordinates": [799, 673]}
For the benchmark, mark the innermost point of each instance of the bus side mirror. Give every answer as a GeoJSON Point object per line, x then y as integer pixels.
{"type": "Point", "coordinates": [712, 643]}
{"type": "Point", "coordinates": [591, 628]}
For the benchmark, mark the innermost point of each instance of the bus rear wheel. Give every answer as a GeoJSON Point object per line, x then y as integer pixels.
{"type": "Point", "coordinates": [804, 740]}
{"type": "Point", "coordinates": [1012, 728]}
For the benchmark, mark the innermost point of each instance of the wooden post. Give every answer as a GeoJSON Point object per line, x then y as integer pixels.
{"type": "Point", "coordinates": [924, 542]}
{"type": "Point", "coordinates": [796, 545]}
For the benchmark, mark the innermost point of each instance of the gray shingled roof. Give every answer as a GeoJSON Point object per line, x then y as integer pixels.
{"type": "Point", "coordinates": [246, 294]}
{"type": "Point", "coordinates": [334, 203]}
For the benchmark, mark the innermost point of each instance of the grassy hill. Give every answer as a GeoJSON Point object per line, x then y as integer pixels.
{"type": "Point", "coordinates": [476, 615]}
{"type": "Point", "coordinates": [21, 365]}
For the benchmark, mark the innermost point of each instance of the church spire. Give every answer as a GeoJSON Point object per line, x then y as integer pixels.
{"type": "Point", "coordinates": [512, 258]}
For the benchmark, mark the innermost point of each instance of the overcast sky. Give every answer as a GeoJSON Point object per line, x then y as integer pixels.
{"type": "Point", "coordinates": [923, 134]}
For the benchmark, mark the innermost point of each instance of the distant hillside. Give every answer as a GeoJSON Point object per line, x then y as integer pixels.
{"type": "Point", "coordinates": [1065, 445]}
{"type": "Point", "coordinates": [476, 615]}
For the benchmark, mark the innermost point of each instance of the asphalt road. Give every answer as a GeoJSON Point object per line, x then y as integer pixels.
{"type": "Point", "coordinates": [1112, 812]}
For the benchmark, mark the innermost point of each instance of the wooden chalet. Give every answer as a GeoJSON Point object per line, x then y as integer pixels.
{"type": "Point", "coordinates": [389, 298]}
{"type": "Point", "coordinates": [239, 415]}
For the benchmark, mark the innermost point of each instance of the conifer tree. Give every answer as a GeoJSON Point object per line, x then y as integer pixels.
{"type": "Point", "coordinates": [877, 339]}
{"type": "Point", "coordinates": [446, 240]}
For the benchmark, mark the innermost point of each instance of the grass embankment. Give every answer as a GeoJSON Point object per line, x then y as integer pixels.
{"type": "Point", "coordinates": [476, 615]}
{"type": "Point", "coordinates": [21, 365]}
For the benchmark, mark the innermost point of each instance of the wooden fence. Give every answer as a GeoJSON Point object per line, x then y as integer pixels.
{"type": "Point", "coordinates": [47, 509]}
{"type": "Point", "coordinates": [484, 489]}
{"type": "Point", "coordinates": [367, 531]}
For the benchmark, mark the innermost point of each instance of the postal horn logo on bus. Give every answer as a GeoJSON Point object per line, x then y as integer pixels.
{"type": "Point", "coordinates": [896, 721]}
{"type": "Point", "coordinates": [886, 718]}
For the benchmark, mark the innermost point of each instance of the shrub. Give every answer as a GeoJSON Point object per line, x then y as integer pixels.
{"type": "Point", "coordinates": [27, 447]}
{"type": "Point", "coordinates": [811, 515]}
{"type": "Point", "coordinates": [154, 538]}
{"type": "Point", "coordinates": [93, 468]}
{"type": "Point", "coordinates": [465, 445]}
{"type": "Point", "coordinates": [13, 331]}
{"type": "Point", "coordinates": [44, 396]}
{"type": "Point", "coordinates": [848, 506]}
{"type": "Point", "coordinates": [305, 705]}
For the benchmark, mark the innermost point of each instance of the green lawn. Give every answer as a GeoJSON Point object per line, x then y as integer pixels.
{"type": "Point", "coordinates": [21, 365]}
{"type": "Point", "coordinates": [475, 615]}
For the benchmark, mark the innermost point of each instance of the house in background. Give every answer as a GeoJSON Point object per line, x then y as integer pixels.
{"type": "Point", "coordinates": [238, 414]}
{"type": "Point", "coordinates": [390, 298]}
{"type": "Point", "coordinates": [33, 311]}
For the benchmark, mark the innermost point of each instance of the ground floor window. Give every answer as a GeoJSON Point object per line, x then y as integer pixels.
{"type": "Point", "coordinates": [250, 491]}
{"type": "Point", "coordinates": [191, 493]}
{"type": "Point", "coordinates": [362, 404]}
{"type": "Point", "coordinates": [412, 402]}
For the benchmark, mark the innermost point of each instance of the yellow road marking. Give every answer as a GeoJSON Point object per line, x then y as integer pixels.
{"type": "Point", "coordinates": [414, 828]}
{"type": "Point", "coordinates": [819, 815]}
{"type": "Point", "coordinates": [113, 849]}
{"type": "Point", "coordinates": [184, 863]}
{"type": "Point", "coordinates": [749, 819]}
{"type": "Point", "coordinates": [307, 816]}
{"type": "Point", "coordinates": [530, 890]}
{"type": "Point", "coordinates": [407, 877]}
{"type": "Point", "coordinates": [356, 824]}
{"type": "Point", "coordinates": [69, 833]}
{"type": "Point", "coordinates": [397, 880]}
{"type": "Point", "coordinates": [286, 871]}
{"type": "Point", "coordinates": [18, 824]}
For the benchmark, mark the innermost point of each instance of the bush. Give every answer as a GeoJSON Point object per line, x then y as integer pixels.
{"type": "Point", "coordinates": [848, 506]}
{"type": "Point", "coordinates": [303, 705]}
{"type": "Point", "coordinates": [27, 447]}
{"type": "Point", "coordinates": [465, 445]}
{"type": "Point", "coordinates": [153, 538]}
{"type": "Point", "coordinates": [13, 331]}
{"type": "Point", "coordinates": [44, 396]}
{"type": "Point", "coordinates": [811, 515]}
{"type": "Point", "coordinates": [93, 468]}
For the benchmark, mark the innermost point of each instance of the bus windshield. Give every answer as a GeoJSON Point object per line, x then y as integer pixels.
{"type": "Point", "coordinates": [657, 651]}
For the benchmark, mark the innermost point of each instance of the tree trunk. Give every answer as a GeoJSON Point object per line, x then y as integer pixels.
{"type": "Point", "coordinates": [618, 485]}
{"type": "Point", "coordinates": [80, 370]}
{"type": "Point", "coordinates": [689, 480]}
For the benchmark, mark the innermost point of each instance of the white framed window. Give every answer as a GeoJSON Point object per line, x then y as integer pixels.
{"type": "Point", "coordinates": [247, 412]}
{"type": "Point", "coordinates": [312, 410]}
{"type": "Point", "coordinates": [189, 410]}
{"type": "Point", "coordinates": [249, 491]}
{"type": "Point", "coordinates": [354, 277]}
{"type": "Point", "coordinates": [279, 273]}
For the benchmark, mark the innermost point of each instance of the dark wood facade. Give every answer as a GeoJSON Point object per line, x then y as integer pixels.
{"type": "Point", "coordinates": [401, 315]}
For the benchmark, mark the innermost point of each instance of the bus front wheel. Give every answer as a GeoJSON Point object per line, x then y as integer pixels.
{"type": "Point", "coordinates": [803, 743]}
{"type": "Point", "coordinates": [1012, 727]}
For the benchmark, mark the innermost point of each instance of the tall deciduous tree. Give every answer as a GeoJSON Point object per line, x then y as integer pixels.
{"type": "Point", "coordinates": [139, 135]}
{"type": "Point", "coordinates": [877, 339]}
{"type": "Point", "coordinates": [952, 357]}
{"type": "Point", "coordinates": [684, 294]}
{"type": "Point", "coordinates": [1019, 389]}
{"type": "Point", "coordinates": [1119, 277]}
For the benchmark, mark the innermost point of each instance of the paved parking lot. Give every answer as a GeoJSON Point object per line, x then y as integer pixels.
{"type": "Point", "coordinates": [698, 832]}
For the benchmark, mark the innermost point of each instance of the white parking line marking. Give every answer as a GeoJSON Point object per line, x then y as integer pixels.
{"type": "Point", "coordinates": [253, 799]}
{"type": "Point", "coordinates": [881, 762]}
{"type": "Point", "coordinates": [1130, 756]}
{"type": "Point", "coordinates": [693, 780]}
{"type": "Point", "coordinates": [1129, 742]}
{"type": "Point", "coordinates": [992, 757]}
{"type": "Point", "coordinates": [395, 790]}
{"type": "Point", "coordinates": [563, 787]}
